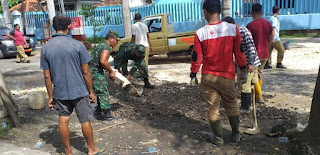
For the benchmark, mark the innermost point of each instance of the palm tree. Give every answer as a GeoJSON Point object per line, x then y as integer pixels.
{"type": "Point", "coordinates": [126, 18]}
{"type": "Point", "coordinates": [308, 141]}
{"type": "Point", "coordinates": [225, 8]}
{"type": "Point", "coordinates": [5, 9]}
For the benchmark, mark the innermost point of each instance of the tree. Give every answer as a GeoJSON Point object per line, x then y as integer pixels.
{"type": "Point", "coordinates": [225, 8]}
{"type": "Point", "coordinates": [126, 18]}
{"type": "Point", "coordinates": [308, 141]}
{"type": "Point", "coordinates": [51, 10]}
{"type": "Point", "coordinates": [10, 4]}
{"type": "Point", "coordinates": [6, 13]}
{"type": "Point", "coordinates": [89, 13]}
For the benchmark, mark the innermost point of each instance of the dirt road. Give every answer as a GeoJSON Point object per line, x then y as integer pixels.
{"type": "Point", "coordinates": [174, 113]}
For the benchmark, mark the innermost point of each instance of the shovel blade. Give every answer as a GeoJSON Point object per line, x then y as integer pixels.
{"type": "Point", "coordinates": [125, 83]}
{"type": "Point", "coordinates": [252, 131]}
{"type": "Point", "coordinates": [139, 92]}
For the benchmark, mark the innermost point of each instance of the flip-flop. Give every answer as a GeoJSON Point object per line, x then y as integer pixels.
{"type": "Point", "coordinates": [98, 152]}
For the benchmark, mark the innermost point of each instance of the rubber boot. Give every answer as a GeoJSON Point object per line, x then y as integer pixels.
{"type": "Point", "coordinates": [260, 82]}
{"type": "Point", "coordinates": [258, 91]}
{"type": "Point", "coordinates": [234, 122]}
{"type": "Point", "coordinates": [217, 130]}
{"type": "Point", "coordinates": [147, 84]}
{"type": "Point", "coordinates": [245, 102]}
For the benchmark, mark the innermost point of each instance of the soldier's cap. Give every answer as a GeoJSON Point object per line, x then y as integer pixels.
{"type": "Point", "coordinates": [141, 48]}
{"type": "Point", "coordinates": [113, 34]}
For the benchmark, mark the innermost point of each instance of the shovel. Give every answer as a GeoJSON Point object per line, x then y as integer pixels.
{"type": "Point", "coordinates": [255, 130]}
{"type": "Point", "coordinates": [138, 91]}
{"type": "Point", "coordinates": [125, 82]}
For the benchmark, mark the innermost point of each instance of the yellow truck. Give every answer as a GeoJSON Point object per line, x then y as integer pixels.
{"type": "Point", "coordinates": [163, 38]}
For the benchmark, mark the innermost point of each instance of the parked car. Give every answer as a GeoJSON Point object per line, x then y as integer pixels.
{"type": "Point", "coordinates": [163, 38]}
{"type": "Point", "coordinates": [7, 47]}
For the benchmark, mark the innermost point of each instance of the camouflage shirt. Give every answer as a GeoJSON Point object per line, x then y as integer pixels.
{"type": "Point", "coordinates": [125, 53]}
{"type": "Point", "coordinates": [95, 64]}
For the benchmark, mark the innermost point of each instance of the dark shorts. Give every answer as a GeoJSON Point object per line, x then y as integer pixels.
{"type": "Point", "coordinates": [81, 105]}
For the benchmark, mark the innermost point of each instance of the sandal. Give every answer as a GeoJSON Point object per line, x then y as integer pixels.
{"type": "Point", "coordinates": [98, 152]}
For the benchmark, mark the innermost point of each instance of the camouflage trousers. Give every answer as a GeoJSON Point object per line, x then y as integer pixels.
{"type": "Point", "coordinates": [101, 90]}
{"type": "Point", "coordinates": [141, 67]}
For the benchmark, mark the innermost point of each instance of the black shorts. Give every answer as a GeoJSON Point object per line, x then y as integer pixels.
{"type": "Point", "coordinates": [81, 105]}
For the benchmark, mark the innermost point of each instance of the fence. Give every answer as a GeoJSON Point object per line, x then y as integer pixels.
{"type": "Point", "coordinates": [241, 8]}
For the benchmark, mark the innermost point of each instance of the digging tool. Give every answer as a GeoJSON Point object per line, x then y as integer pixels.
{"type": "Point", "coordinates": [255, 130]}
{"type": "Point", "coordinates": [125, 82]}
{"type": "Point", "coordinates": [138, 91]}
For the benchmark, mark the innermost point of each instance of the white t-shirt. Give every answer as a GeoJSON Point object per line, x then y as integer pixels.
{"type": "Point", "coordinates": [140, 30]}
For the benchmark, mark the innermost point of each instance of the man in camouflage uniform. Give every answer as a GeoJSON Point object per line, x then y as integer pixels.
{"type": "Point", "coordinates": [132, 51]}
{"type": "Point", "coordinates": [100, 56]}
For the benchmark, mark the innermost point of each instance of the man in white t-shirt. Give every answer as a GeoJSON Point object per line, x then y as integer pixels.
{"type": "Point", "coordinates": [140, 35]}
{"type": "Point", "coordinates": [277, 44]}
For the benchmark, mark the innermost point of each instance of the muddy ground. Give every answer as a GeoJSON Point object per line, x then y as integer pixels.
{"type": "Point", "coordinates": [174, 113]}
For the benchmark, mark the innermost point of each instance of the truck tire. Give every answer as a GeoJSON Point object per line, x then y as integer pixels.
{"type": "Point", "coordinates": [1, 54]}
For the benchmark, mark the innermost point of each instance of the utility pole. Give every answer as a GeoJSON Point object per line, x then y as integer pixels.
{"type": "Point", "coordinates": [51, 9]}
{"type": "Point", "coordinates": [6, 13]}
{"type": "Point", "coordinates": [23, 7]}
{"type": "Point", "coordinates": [126, 18]}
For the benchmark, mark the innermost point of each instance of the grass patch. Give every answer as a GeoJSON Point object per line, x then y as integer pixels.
{"type": "Point", "coordinates": [300, 34]}
{"type": "Point", "coordinates": [4, 132]}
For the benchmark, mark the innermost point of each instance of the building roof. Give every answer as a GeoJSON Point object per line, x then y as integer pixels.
{"type": "Point", "coordinates": [110, 3]}
{"type": "Point", "coordinates": [33, 6]}
{"type": "Point", "coordinates": [30, 6]}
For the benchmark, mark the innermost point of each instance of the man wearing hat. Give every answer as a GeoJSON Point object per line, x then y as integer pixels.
{"type": "Point", "coordinates": [135, 52]}
{"type": "Point", "coordinates": [99, 64]}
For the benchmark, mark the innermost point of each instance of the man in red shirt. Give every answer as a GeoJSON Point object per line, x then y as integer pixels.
{"type": "Point", "coordinates": [262, 33]}
{"type": "Point", "coordinates": [214, 46]}
{"type": "Point", "coordinates": [19, 42]}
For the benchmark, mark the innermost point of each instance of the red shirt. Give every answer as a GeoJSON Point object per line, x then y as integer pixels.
{"type": "Point", "coordinates": [261, 29]}
{"type": "Point", "coordinates": [215, 45]}
{"type": "Point", "coordinates": [19, 38]}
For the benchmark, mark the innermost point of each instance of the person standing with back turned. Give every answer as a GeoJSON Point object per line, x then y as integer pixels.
{"type": "Point", "coordinates": [65, 66]}
{"type": "Point", "coordinates": [262, 34]}
{"type": "Point", "coordinates": [214, 46]}
{"type": "Point", "coordinates": [140, 36]}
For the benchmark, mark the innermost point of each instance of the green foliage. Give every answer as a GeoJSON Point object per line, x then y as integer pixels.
{"type": "Point", "coordinates": [89, 13]}
{"type": "Point", "coordinates": [11, 3]}
{"type": "Point", "coordinates": [4, 132]}
{"type": "Point", "coordinates": [97, 39]}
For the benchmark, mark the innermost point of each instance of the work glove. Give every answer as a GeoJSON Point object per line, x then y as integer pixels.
{"type": "Point", "coordinates": [194, 80]}
{"type": "Point", "coordinates": [243, 77]}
